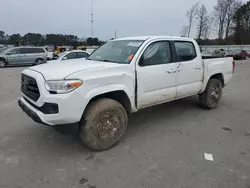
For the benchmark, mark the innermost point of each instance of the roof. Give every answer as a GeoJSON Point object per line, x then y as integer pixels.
{"type": "Point", "coordinates": [154, 37]}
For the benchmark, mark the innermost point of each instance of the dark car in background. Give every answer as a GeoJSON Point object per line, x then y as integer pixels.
{"type": "Point", "coordinates": [239, 55]}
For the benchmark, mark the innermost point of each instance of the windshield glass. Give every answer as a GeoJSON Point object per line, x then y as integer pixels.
{"type": "Point", "coordinates": [120, 51]}
{"type": "Point", "coordinates": [3, 49]}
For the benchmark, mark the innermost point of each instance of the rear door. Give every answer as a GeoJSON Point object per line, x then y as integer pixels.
{"type": "Point", "coordinates": [27, 55]}
{"type": "Point", "coordinates": [190, 72]}
{"type": "Point", "coordinates": [156, 75]}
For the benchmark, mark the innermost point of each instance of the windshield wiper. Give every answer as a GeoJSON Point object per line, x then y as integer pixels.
{"type": "Point", "coordinates": [105, 60]}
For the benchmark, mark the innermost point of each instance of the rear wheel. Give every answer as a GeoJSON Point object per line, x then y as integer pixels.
{"type": "Point", "coordinates": [39, 61]}
{"type": "Point", "coordinates": [211, 97]}
{"type": "Point", "coordinates": [103, 124]}
{"type": "Point", "coordinates": [2, 63]}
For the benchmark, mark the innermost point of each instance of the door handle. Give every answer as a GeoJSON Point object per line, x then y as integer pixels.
{"type": "Point", "coordinates": [171, 71]}
{"type": "Point", "coordinates": [197, 67]}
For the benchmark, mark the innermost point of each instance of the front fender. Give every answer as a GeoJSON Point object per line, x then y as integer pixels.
{"type": "Point", "coordinates": [4, 59]}
{"type": "Point", "coordinates": [106, 89]}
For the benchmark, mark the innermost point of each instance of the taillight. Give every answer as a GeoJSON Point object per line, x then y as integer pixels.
{"type": "Point", "coordinates": [233, 66]}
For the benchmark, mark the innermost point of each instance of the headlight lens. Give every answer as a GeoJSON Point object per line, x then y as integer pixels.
{"type": "Point", "coordinates": [63, 86]}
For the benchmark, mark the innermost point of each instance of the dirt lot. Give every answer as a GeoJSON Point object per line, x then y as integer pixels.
{"type": "Point", "coordinates": [164, 146]}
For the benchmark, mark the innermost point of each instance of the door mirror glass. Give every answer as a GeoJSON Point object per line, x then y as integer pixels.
{"type": "Point", "coordinates": [65, 58]}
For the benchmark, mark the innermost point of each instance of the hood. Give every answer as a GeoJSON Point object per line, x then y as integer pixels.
{"type": "Point", "coordinates": [58, 70]}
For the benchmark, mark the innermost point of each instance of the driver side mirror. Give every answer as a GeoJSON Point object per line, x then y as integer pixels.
{"type": "Point", "coordinates": [65, 58]}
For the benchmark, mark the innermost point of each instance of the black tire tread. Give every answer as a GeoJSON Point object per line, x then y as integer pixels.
{"type": "Point", "coordinates": [204, 97]}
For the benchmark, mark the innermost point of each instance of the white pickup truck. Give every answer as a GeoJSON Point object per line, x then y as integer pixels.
{"type": "Point", "coordinates": [121, 77]}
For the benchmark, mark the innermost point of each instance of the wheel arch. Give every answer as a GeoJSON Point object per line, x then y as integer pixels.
{"type": "Point", "coordinates": [214, 75]}
{"type": "Point", "coordinates": [2, 58]}
{"type": "Point", "coordinates": [117, 92]}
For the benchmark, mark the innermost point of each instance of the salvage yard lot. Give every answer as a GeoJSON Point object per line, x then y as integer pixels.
{"type": "Point", "coordinates": [164, 145]}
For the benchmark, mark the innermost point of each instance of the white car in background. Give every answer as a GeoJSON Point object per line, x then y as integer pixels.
{"type": "Point", "coordinates": [74, 54]}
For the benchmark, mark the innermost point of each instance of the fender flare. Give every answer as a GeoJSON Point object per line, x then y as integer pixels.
{"type": "Point", "coordinates": [107, 89]}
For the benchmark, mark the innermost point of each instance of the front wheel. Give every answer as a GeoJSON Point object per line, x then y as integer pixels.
{"type": "Point", "coordinates": [2, 63]}
{"type": "Point", "coordinates": [103, 124]}
{"type": "Point", "coordinates": [211, 97]}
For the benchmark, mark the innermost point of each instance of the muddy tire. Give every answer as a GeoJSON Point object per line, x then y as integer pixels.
{"type": "Point", "coordinates": [103, 124]}
{"type": "Point", "coordinates": [211, 97]}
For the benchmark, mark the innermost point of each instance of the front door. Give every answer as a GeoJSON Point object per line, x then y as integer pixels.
{"type": "Point", "coordinates": [14, 56]}
{"type": "Point", "coordinates": [156, 75]}
{"type": "Point", "coordinates": [190, 73]}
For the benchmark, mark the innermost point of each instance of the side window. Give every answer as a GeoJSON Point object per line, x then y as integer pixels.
{"type": "Point", "coordinates": [14, 51]}
{"type": "Point", "coordinates": [70, 56]}
{"type": "Point", "coordinates": [81, 55]}
{"type": "Point", "coordinates": [185, 51]}
{"type": "Point", "coordinates": [156, 53]}
{"type": "Point", "coordinates": [26, 50]}
{"type": "Point", "coordinates": [40, 50]}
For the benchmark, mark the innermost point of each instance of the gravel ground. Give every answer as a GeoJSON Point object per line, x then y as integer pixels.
{"type": "Point", "coordinates": [164, 146]}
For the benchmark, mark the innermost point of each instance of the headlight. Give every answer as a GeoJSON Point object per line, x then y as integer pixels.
{"type": "Point", "coordinates": [63, 86]}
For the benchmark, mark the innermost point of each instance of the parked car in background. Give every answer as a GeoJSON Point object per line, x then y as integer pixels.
{"type": "Point", "coordinates": [91, 49]}
{"type": "Point", "coordinates": [74, 54]}
{"type": "Point", "coordinates": [219, 53]}
{"type": "Point", "coordinates": [239, 55]}
{"type": "Point", "coordinates": [23, 56]}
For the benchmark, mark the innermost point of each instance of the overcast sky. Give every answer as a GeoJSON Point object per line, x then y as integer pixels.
{"type": "Point", "coordinates": [127, 17]}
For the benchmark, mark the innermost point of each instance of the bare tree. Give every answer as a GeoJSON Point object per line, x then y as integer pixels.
{"type": "Point", "coordinates": [184, 31]}
{"type": "Point", "coordinates": [221, 9]}
{"type": "Point", "coordinates": [235, 5]}
{"type": "Point", "coordinates": [191, 13]}
{"type": "Point", "coordinates": [203, 22]}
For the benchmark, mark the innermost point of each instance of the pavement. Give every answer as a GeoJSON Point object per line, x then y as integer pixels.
{"type": "Point", "coordinates": [164, 146]}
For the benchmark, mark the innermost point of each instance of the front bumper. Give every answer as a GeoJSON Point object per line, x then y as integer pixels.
{"type": "Point", "coordinates": [33, 115]}
{"type": "Point", "coordinates": [52, 109]}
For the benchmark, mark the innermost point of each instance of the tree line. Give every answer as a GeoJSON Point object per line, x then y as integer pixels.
{"type": "Point", "coordinates": [38, 39]}
{"type": "Point", "coordinates": [228, 23]}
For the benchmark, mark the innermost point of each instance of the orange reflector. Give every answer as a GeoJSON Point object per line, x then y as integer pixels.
{"type": "Point", "coordinates": [130, 57]}
{"type": "Point", "coordinates": [75, 84]}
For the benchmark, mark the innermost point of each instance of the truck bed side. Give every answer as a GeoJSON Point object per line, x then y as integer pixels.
{"type": "Point", "coordinates": [219, 67]}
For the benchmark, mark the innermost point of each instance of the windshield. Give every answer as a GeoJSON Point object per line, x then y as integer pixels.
{"type": "Point", "coordinates": [120, 51]}
{"type": "Point", "coordinates": [3, 49]}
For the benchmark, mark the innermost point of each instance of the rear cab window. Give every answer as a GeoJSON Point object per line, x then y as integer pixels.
{"type": "Point", "coordinates": [185, 51]}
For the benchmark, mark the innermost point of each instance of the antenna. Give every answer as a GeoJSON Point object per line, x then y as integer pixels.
{"type": "Point", "coordinates": [92, 18]}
